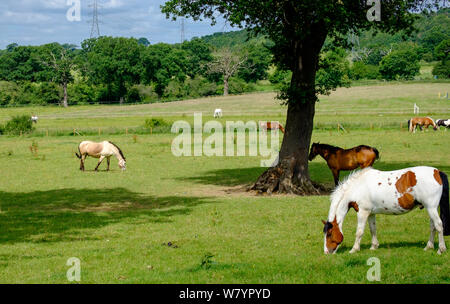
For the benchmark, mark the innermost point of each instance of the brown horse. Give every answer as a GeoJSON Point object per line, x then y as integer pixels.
{"type": "Point", "coordinates": [339, 159]}
{"type": "Point", "coordinates": [269, 125]}
{"type": "Point", "coordinates": [421, 122]}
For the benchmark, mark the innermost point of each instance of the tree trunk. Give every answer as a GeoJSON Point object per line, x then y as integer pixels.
{"type": "Point", "coordinates": [225, 86]}
{"type": "Point", "coordinates": [65, 102]}
{"type": "Point", "coordinates": [291, 175]}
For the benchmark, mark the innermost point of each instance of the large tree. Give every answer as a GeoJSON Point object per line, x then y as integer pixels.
{"type": "Point", "coordinates": [298, 29]}
{"type": "Point", "coordinates": [112, 61]}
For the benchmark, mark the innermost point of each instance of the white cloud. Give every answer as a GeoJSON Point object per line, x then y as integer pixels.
{"type": "Point", "coordinates": [43, 21]}
{"type": "Point", "coordinates": [112, 4]}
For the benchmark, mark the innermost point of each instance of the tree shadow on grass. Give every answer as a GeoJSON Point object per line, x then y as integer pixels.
{"type": "Point", "coordinates": [319, 172]}
{"type": "Point", "coordinates": [72, 214]}
{"type": "Point", "coordinates": [227, 177]}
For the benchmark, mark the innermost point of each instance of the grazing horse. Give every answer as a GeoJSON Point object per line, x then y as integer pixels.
{"type": "Point", "coordinates": [101, 150]}
{"type": "Point", "coordinates": [443, 123]}
{"type": "Point", "coordinates": [339, 159]}
{"type": "Point", "coordinates": [217, 113]}
{"type": "Point", "coordinates": [421, 122]}
{"type": "Point", "coordinates": [372, 192]}
{"type": "Point", "coordinates": [270, 125]}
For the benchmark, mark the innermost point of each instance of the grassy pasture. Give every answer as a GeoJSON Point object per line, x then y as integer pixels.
{"type": "Point", "coordinates": [157, 221]}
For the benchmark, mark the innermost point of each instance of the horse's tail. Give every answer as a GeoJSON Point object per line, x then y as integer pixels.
{"type": "Point", "coordinates": [78, 155]}
{"type": "Point", "coordinates": [409, 125]}
{"type": "Point", "coordinates": [444, 205]}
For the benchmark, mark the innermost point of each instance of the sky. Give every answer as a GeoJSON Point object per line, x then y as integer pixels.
{"type": "Point", "coordinates": [36, 22]}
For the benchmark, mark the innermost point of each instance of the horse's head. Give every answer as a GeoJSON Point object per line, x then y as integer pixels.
{"type": "Point", "coordinates": [333, 236]}
{"type": "Point", "coordinates": [314, 151]}
{"type": "Point", "coordinates": [123, 164]}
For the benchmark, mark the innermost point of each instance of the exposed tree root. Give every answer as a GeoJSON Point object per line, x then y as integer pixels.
{"type": "Point", "coordinates": [283, 179]}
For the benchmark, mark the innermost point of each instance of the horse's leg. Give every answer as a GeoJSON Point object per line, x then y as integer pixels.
{"type": "Point", "coordinates": [430, 244]}
{"type": "Point", "coordinates": [83, 159]}
{"type": "Point", "coordinates": [108, 159]}
{"type": "Point", "coordinates": [434, 216]}
{"type": "Point", "coordinates": [335, 176]}
{"type": "Point", "coordinates": [373, 232]}
{"type": "Point", "coordinates": [99, 162]}
{"type": "Point", "coordinates": [362, 219]}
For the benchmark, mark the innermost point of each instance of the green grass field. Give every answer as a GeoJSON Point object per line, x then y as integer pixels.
{"type": "Point", "coordinates": [174, 219]}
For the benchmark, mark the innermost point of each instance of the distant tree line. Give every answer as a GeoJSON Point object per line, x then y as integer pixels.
{"type": "Point", "coordinates": [129, 70]}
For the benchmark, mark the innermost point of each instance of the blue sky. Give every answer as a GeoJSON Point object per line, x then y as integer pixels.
{"type": "Point", "coordinates": [35, 22]}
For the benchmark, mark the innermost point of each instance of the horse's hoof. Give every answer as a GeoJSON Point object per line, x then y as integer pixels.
{"type": "Point", "coordinates": [429, 246]}
{"type": "Point", "coordinates": [441, 250]}
{"type": "Point", "coordinates": [353, 250]}
{"type": "Point", "coordinates": [374, 247]}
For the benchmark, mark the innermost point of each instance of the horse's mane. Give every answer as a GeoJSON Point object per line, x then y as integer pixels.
{"type": "Point", "coordinates": [330, 147]}
{"type": "Point", "coordinates": [120, 151]}
{"type": "Point", "coordinates": [347, 183]}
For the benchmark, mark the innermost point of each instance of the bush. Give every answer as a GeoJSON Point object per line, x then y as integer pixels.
{"type": "Point", "coordinates": [19, 125]}
{"type": "Point", "coordinates": [174, 89]}
{"type": "Point", "coordinates": [81, 93]}
{"type": "Point", "coordinates": [133, 95]}
{"type": "Point", "coordinates": [239, 86]}
{"type": "Point", "coordinates": [280, 76]}
{"type": "Point", "coordinates": [155, 122]}
{"type": "Point", "coordinates": [400, 64]}
{"type": "Point", "coordinates": [47, 93]}
{"type": "Point", "coordinates": [199, 87]}
{"type": "Point", "coordinates": [8, 93]}
{"type": "Point", "coordinates": [427, 57]}
{"type": "Point", "coordinates": [359, 70]}
{"type": "Point", "coordinates": [442, 69]}
{"type": "Point", "coordinates": [146, 93]}
{"type": "Point", "coordinates": [27, 92]}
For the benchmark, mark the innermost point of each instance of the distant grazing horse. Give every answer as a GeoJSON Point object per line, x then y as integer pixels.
{"type": "Point", "coordinates": [421, 122]}
{"type": "Point", "coordinates": [443, 123]}
{"type": "Point", "coordinates": [372, 192]}
{"type": "Point", "coordinates": [270, 125]}
{"type": "Point", "coordinates": [217, 113]}
{"type": "Point", "coordinates": [339, 159]}
{"type": "Point", "coordinates": [101, 150]}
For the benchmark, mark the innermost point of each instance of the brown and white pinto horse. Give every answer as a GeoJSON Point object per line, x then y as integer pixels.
{"type": "Point", "coordinates": [421, 122]}
{"type": "Point", "coordinates": [372, 192]}
{"type": "Point", "coordinates": [101, 150]}
{"type": "Point", "coordinates": [339, 159]}
{"type": "Point", "coordinates": [270, 125]}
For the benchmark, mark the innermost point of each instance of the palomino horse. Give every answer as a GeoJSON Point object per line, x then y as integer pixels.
{"type": "Point", "coordinates": [101, 150]}
{"type": "Point", "coordinates": [421, 122]}
{"type": "Point", "coordinates": [372, 192]}
{"type": "Point", "coordinates": [270, 125]}
{"type": "Point", "coordinates": [339, 159]}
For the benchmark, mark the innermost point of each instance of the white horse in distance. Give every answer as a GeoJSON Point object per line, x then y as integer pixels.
{"type": "Point", "coordinates": [218, 113]}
